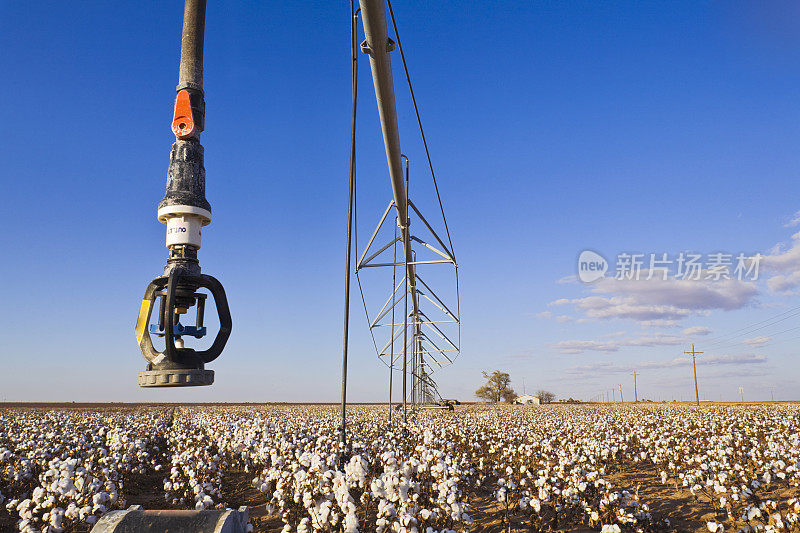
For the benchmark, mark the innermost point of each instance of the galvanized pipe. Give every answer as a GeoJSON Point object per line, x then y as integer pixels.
{"type": "Point", "coordinates": [376, 45]}
{"type": "Point", "coordinates": [194, 22]}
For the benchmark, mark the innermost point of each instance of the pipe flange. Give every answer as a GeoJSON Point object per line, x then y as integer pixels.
{"type": "Point", "coordinates": [189, 377]}
{"type": "Point", "coordinates": [182, 210]}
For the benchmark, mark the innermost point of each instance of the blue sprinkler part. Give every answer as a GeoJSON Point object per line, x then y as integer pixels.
{"type": "Point", "coordinates": [179, 329]}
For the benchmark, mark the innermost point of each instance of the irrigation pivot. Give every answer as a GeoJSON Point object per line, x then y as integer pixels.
{"type": "Point", "coordinates": [420, 342]}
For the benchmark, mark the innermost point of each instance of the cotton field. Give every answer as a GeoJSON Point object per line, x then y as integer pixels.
{"type": "Point", "coordinates": [606, 468]}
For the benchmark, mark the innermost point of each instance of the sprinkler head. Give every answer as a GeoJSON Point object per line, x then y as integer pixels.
{"type": "Point", "coordinates": [184, 210]}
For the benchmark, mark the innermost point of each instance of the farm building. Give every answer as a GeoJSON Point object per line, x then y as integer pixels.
{"type": "Point", "coordinates": [527, 399]}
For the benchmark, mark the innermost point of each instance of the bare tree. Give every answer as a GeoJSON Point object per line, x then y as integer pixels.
{"type": "Point", "coordinates": [497, 387]}
{"type": "Point", "coordinates": [545, 396]}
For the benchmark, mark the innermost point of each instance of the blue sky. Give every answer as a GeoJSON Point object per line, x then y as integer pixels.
{"type": "Point", "coordinates": [643, 127]}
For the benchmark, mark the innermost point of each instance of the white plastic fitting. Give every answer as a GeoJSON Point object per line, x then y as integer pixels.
{"type": "Point", "coordinates": [183, 229]}
{"type": "Point", "coordinates": [184, 224]}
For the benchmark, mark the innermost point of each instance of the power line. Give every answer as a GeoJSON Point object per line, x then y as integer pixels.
{"type": "Point", "coordinates": [751, 328]}
{"type": "Point", "coordinates": [734, 343]}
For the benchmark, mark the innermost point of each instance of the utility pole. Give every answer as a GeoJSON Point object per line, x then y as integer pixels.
{"type": "Point", "coordinates": [621, 399]}
{"type": "Point", "coordinates": [613, 396]}
{"type": "Point", "coordinates": [694, 368]}
{"type": "Point", "coordinates": [741, 394]}
{"type": "Point", "coordinates": [772, 394]}
{"type": "Point", "coordinates": [635, 392]}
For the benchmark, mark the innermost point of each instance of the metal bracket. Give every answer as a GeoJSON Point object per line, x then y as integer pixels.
{"type": "Point", "coordinates": [367, 50]}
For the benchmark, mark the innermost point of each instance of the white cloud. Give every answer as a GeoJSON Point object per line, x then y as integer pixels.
{"type": "Point", "coordinates": [604, 367]}
{"type": "Point", "coordinates": [757, 341]}
{"type": "Point", "coordinates": [613, 345]}
{"type": "Point", "coordinates": [658, 339]}
{"type": "Point", "coordinates": [659, 323]}
{"type": "Point", "coordinates": [784, 284]}
{"type": "Point", "coordinates": [794, 221]}
{"type": "Point", "coordinates": [696, 330]}
{"type": "Point", "coordinates": [786, 262]}
{"type": "Point", "coordinates": [691, 295]}
{"type": "Point", "coordinates": [560, 318]}
{"type": "Point", "coordinates": [661, 303]}
{"type": "Point", "coordinates": [607, 367]}
{"type": "Point", "coordinates": [625, 307]}
{"type": "Point", "coordinates": [576, 346]}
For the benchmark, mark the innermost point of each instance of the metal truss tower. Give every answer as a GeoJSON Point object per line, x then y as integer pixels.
{"type": "Point", "coordinates": [420, 331]}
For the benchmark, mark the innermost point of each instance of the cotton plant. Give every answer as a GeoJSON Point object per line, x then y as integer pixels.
{"type": "Point", "coordinates": [544, 468]}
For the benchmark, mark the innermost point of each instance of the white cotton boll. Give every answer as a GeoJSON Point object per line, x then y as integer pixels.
{"type": "Point", "coordinates": [715, 527]}
{"type": "Point", "coordinates": [611, 528]}
{"type": "Point", "coordinates": [752, 513]}
{"type": "Point", "coordinates": [38, 495]}
{"type": "Point", "coordinates": [303, 526]}
{"type": "Point", "coordinates": [350, 523]}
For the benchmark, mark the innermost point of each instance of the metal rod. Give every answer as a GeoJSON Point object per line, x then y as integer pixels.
{"type": "Point", "coordinates": [351, 191]}
{"type": "Point", "coordinates": [405, 351]}
{"type": "Point", "coordinates": [190, 75]}
{"type": "Point", "coordinates": [391, 356]}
